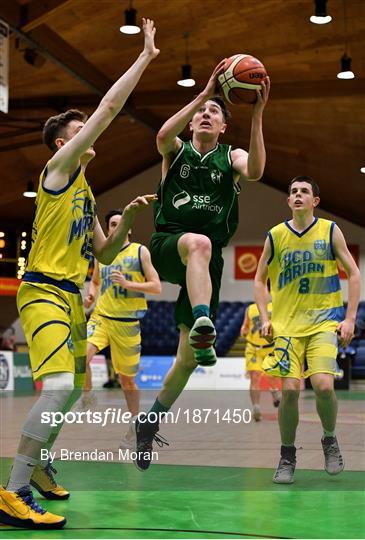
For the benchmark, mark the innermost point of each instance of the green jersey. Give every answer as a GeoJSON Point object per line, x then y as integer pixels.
{"type": "Point", "coordinates": [199, 195]}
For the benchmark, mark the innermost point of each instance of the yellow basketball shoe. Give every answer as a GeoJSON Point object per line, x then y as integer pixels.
{"type": "Point", "coordinates": [19, 509]}
{"type": "Point", "coordinates": [43, 481]}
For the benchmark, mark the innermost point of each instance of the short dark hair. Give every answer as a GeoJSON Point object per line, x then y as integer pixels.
{"type": "Point", "coordinates": [55, 126]}
{"type": "Point", "coordinates": [222, 104]}
{"type": "Point", "coordinates": [110, 214]}
{"type": "Point", "coordinates": [309, 180]}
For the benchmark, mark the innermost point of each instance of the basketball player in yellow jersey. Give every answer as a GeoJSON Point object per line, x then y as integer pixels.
{"type": "Point", "coordinates": [300, 259]}
{"type": "Point", "coordinates": [115, 321]}
{"type": "Point", "coordinates": [65, 233]}
{"type": "Point", "coordinates": [257, 349]}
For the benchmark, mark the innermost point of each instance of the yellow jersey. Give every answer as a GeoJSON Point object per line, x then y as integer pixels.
{"type": "Point", "coordinates": [114, 301]}
{"type": "Point", "coordinates": [253, 337]}
{"type": "Point", "coordinates": [62, 231]}
{"type": "Point", "coordinates": [304, 282]}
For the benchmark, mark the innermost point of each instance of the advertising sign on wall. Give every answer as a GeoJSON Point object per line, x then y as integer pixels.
{"type": "Point", "coordinates": [152, 371]}
{"type": "Point", "coordinates": [6, 371]}
{"type": "Point", "coordinates": [246, 261]}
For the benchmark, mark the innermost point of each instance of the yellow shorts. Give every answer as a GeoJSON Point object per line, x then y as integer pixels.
{"type": "Point", "coordinates": [255, 356]}
{"type": "Point", "coordinates": [55, 329]}
{"type": "Point", "coordinates": [124, 339]}
{"type": "Point", "coordinates": [318, 350]}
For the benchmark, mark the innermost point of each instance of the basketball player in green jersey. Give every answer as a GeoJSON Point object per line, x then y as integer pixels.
{"type": "Point", "coordinates": [195, 216]}
{"type": "Point", "coordinates": [299, 258]}
{"type": "Point", "coordinates": [65, 233]}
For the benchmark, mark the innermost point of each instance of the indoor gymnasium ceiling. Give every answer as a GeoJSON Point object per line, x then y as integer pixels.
{"type": "Point", "coordinates": [314, 123]}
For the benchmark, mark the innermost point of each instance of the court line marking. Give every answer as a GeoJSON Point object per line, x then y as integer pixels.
{"type": "Point", "coordinates": [194, 531]}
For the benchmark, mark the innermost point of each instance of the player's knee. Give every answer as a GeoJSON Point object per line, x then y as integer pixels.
{"type": "Point", "coordinates": [57, 397]}
{"type": "Point", "coordinates": [127, 383]}
{"type": "Point", "coordinates": [198, 243]}
{"type": "Point", "coordinates": [322, 384]}
{"type": "Point", "coordinates": [59, 388]}
{"type": "Point", "coordinates": [58, 382]}
{"type": "Point", "coordinates": [324, 389]}
{"type": "Point", "coordinates": [202, 244]}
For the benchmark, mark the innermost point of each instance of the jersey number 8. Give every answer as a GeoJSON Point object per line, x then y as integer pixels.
{"type": "Point", "coordinates": [304, 286]}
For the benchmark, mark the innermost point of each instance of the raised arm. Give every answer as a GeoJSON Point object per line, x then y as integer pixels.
{"type": "Point", "coordinates": [344, 257]}
{"type": "Point", "coordinates": [261, 291]}
{"type": "Point", "coordinates": [250, 166]}
{"type": "Point", "coordinates": [152, 285]}
{"type": "Point", "coordinates": [106, 249]}
{"type": "Point", "coordinates": [67, 158]}
{"type": "Point", "coordinates": [167, 140]}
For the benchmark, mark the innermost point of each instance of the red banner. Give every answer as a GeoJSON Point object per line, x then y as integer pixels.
{"type": "Point", "coordinates": [246, 261]}
{"type": "Point", "coordinates": [355, 252]}
{"type": "Point", "coordinates": [9, 286]}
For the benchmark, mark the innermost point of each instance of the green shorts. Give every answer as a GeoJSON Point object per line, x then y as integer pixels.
{"type": "Point", "coordinates": [166, 259]}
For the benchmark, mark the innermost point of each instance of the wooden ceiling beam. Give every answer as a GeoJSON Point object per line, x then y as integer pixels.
{"type": "Point", "coordinates": [317, 89]}
{"type": "Point", "coordinates": [58, 103]}
{"type": "Point", "coordinates": [53, 47]}
{"type": "Point", "coordinates": [279, 91]}
{"type": "Point", "coordinates": [39, 11]}
{"type": "Point", "coordinates": [145, 100]}
{"type": "Point", "coordinates": [69, 59]}
{"type": "Point", "coordinates": [19, 132]}
{"type": "Point", "coordinates": [22, 144]}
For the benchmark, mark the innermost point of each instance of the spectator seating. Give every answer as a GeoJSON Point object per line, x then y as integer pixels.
{"type": "Point", "coordinates": [159, 333]}
{"type": "Point", "coordinates": [160, 336]}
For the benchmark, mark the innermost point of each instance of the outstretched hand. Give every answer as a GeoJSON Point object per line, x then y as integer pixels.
{"type": "Point", "coordinates": [149, 30]}
{"type": "Point", "coordinates": [262, 96]}
{"type": "Point", "coordinates": [138, 204]}
{"type": "Point", "coordinates": [212, 86]}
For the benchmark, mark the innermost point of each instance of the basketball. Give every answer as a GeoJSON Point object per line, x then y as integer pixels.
{"type": "Point", "coordinates": [242, 75]}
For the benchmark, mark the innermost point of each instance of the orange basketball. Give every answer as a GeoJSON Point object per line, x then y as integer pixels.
{"type": "Point", "coordinates": [241, 77]}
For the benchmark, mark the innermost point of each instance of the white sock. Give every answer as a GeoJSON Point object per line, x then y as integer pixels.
{"type": "Point", "coordinates": [21, 472]}
{"type": "Point", "coordinates": [328, 433]}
